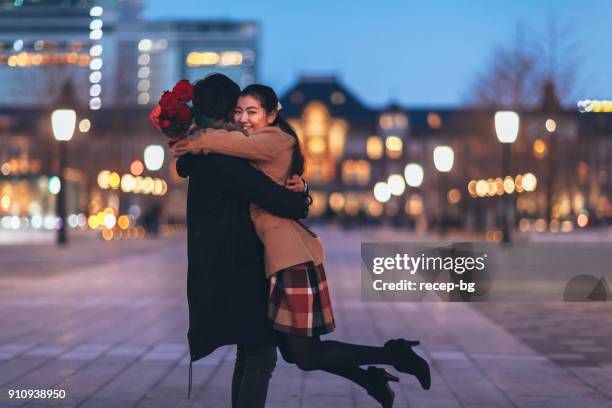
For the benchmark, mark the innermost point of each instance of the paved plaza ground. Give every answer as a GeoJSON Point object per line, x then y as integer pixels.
{"type": "Point", "coordinates": [107, 321]}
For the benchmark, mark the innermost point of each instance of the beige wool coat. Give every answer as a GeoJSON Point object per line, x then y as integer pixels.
{"type": "Point", "coordinates": [286, 242]}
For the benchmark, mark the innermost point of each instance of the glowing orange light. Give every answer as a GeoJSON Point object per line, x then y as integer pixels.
{"type": "Point", "coordinates": [107, 234]}
{"type": "Point", "coordinates": [136, 168]}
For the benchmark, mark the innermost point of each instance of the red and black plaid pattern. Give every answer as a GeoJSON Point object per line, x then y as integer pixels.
{"type": "Point", "coordinates": [300, 302]}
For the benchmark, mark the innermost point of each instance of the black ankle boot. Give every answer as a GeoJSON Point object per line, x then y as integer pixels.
{"type": "Point", "coordinates": [378, 386]}
{"type": "Point", "coordinates": [407, 361]}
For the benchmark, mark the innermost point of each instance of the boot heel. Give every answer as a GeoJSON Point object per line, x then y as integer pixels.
{"type": "Point", "coordinates": [386, 375]}
{"type": "Point", "coordinates": [391, 377]}
{"type": "Point", "coordinates": [378, 386]}
{"type": "Point", "coordinates": [405, 360]}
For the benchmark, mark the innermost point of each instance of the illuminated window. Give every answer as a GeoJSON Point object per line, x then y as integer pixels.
{"type": "Point", "coordinates": [356, 172]}
{"type": "Point", "coordinates": [316, 146]}
{"type": "Point", "coordinates": [317, 120]}
{"type": "Point", "coordinates": [386, 121]}
{"type": "Point", "coordinates": [143, 98]}
{"type": "Point", "coordinates": [434, 121]}
{"type": "Point", "coordinates": [337, 138]}
{"type": "Point", "coordinates": [144, 85]}
{"type": "Point", "coordinates": [363, 170]}
{"type": "Point", "coordinates": [145, 45]}
{"type": "Point", "coordinates": [229, 58]}
{"type": "Point", "coordinates": [400, 120]}
{"type": "Point", "coordinates": [348, 170]}
{"type": "Point", "coordinates": [539, 148]}
{"type": "Point", "coordinates": [394, 147]}
{"type": "Point", "coordinates": [196, 59]}
{"type": "Point", "coordinates": [337, 98]}
{"type": "Point", "coordinates": [374, 147]}
{"type": "Point", "coordinates": [144, 59]}
{"type": "Point", "coordinates": [144, 72]}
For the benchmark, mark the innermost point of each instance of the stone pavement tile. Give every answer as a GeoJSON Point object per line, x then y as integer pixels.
{"type": "Point", "coordinates": [415, 324]}
{"type": "Point", "coordinates": [130, 385]}
{"type": "Point", "coordinates": [171, 391]}
{"type": "Point", "coordinates": [49, 371]}
{"type": "Point", "coordinates": [6, 402]}
{"type": "Point", "coordinates": [126, 351]}
{"type": "Point", "coordinates": [325, 390]}
{"type": "Point", "coordinates": [30, 324]}
{"type": "Point", "coordinates": [564, 328]}
{"type": "Point", "coordinates": [87, 380]}
{"type": "Point", "coordinates": [121, 358]}
{"type": "Point", "coordinates": [577, 342]}
{"type": "Point", "coordinates": [216, 391]}
{"type": "Point", "coordinates": [9, 351]}
{"type": "Point", "coordinates": [166, 351]}
{"type": "Point", "coordinates": [598, 377]}
{"type": "Point", "coordinates": [590, 349]}
{"type": "Point", "coordinates": [411, 395]}
{"type": "Point", "coordinates": [475, 389]}
{"type": "Point", "coordinates": [17, 367]}
{"type": "Point", "coordinates": [85, 352]}
{"type": "Point", "coordinates": [527, 383]}
{"type": "Point", "coordinates": [46, 351]}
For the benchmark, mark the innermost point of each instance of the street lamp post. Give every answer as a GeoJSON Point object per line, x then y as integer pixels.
{"type": "Point", "coordinates": [506, 128]}
{"type": "Point", "coordinates": [444, 158]}
{"type": "Point", "coordinates": [63, 122]}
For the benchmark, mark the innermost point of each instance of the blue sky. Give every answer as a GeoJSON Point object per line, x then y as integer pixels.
{"type": "Point", "coordinates": [416, 53]}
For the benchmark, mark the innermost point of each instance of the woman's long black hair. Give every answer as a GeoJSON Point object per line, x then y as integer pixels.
{"type": "Point", "coordinates": [269, 102]}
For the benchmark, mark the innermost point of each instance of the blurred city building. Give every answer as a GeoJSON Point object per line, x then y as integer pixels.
{"type": "Point", "coordinates": [112, 55]}
{"type": "Point", "coordinates": [414, 167]}
{"type": "Point", "coordinates": [373, 165]}
{"type": "Point", "coordinates": [116, 65]}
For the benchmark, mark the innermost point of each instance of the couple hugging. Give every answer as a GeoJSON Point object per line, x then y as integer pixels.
{"type": "Point", "coordinates": [255, 276]}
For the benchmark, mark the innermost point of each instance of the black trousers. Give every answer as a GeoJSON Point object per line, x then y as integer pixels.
{"type": "Point", "coordinates": [252, 373]}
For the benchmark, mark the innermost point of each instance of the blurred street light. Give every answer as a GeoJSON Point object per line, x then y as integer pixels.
{"type": "Point", "coordinates": [413, 173]}
{"type": "Point", "coordinates": [154, 157]}
{"type": "Point", "coordinates": [444, 158]}
{"type": "Point", "coordinates": [63, 123]}
{"type": "Point", "coordinates": [396, 184]}
{"type": "Point", "coordinates": [382, 192]}
{"type": "Point", "coordinates": [506, 128]}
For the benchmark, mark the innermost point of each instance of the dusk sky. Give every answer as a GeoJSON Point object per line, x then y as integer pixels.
{"type": "Point", "coordinates": [416, 53]}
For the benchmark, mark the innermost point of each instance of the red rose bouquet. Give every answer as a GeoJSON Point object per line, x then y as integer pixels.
{"type": "Point", "coordinates": [173, 115]}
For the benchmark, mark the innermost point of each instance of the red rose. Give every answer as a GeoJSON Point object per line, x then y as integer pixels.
{"type": "Point", "coordinates": [169, 104]}
{"type": "Point", "coordinates": [165, 123]}
{"type": "Point", "coordinates": [154, 117]}
{"type": "Point", "coordinates": [183, 113]}
{"type": "Point", "coordinates": [183, 90]}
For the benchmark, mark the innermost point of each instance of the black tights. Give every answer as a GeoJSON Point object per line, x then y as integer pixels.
{"type": "Point", "coordinates": [343, 359]}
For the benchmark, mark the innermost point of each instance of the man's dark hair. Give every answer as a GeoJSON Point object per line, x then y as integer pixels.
{"type": "Point", "coordinates": [215, 96]}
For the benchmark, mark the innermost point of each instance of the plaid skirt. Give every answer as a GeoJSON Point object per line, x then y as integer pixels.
{"type": "Point", "coordinates": [300, 302]}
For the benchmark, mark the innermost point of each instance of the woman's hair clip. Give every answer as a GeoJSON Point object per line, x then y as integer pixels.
{"type": "Point", "coordinates": [278, 106]}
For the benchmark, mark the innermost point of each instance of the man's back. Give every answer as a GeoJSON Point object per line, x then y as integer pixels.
{"type": "Point", "coordinates": [226, 286]}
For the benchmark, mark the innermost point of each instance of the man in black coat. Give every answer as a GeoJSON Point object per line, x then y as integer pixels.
{"type": "Point", "coordinates": [227, 289]}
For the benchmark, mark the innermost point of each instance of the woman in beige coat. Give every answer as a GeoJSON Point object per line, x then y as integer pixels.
{"type": "Point", "coordinates": [300, 307]}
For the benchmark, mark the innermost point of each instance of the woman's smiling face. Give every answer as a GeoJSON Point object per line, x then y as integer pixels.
{"type": "Point", "coordinates": [250, 115]}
